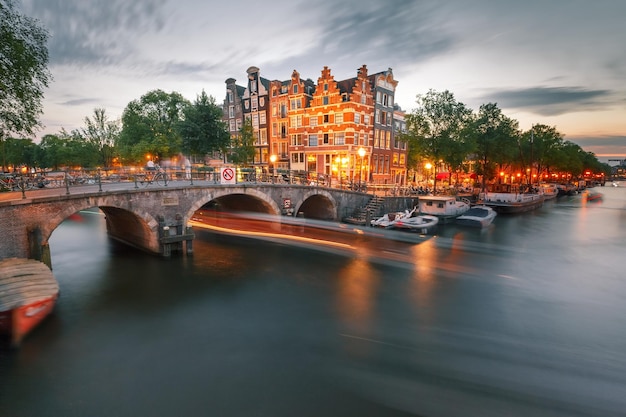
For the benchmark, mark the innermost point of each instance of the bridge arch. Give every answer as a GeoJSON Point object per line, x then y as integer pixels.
{"type": "Point", "coordinates": [318, 204]}
{"type": "Point", "coordinates": [264, 201]}
{"type": "Point", "coordinates": [136, 225]}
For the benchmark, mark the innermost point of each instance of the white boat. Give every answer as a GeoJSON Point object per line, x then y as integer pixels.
{"type": "Point", "coordinates": [550, 190]}
{"type": "Point", "coordinates": [477, 216]}
{"type": "Point", "coordinates": [422, 223]}
{"type": "Point", "coordinates": [387, 220]}
{"type": "Point", "coordinates": [446, 208]}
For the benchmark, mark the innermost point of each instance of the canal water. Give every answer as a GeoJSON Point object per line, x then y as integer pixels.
{"type": "Point", "coordinates": [525, 318]}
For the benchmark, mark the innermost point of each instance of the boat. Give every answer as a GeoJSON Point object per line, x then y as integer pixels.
{"type": "Point", "coordinates": [550, 190]}
{"type": "Point", "coordinates": [28, 293]}
{"type": "Point", "coordinates": [388, 219]}
{"type": "Point", "coordinates": [590, 195]}
{"type": "Point", "coordinates": [415, 222]}
{"type": "Point", "coordinates": [477, 216]}
{"type": "Point", "coordinates": [446, 208]}
{"type": "Point", "coordinates": [511, 198]}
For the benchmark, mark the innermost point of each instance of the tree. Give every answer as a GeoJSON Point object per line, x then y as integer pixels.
{"type": "Point", "coordinates": [18, 152]}
{"type": "Point", "coordinates": [496, 138]}
{"type": "Point", "coordinates": [149, 126]}
{"type": "Point", "coordinates": [540, 145]}
{"type": "Point", "coordinates": [102, 134]}
{"type": "Point", "coordinates": [435, 130]}
{"type": "Point", "coordinates": [202, 129]}
{"type": "Point", "coordinates": [242, 150]}
{"type": "Point", "coordinates": [23, 71]}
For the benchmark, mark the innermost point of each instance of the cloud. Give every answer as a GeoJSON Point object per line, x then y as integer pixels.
{"type": "Point", "coordinates": [552, 101]}
{"type": "Point", "coordinates": [94, 32]}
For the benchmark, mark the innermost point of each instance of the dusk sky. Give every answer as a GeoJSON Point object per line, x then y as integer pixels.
{"type": "Point", "coordinates": [560, 63]}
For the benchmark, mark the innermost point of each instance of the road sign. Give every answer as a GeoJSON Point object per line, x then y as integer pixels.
{"type": "Point", "coordinates": [227, 176]}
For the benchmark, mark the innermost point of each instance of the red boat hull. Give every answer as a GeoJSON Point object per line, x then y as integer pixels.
{"type": "Point", "coordinates": [15, 324]}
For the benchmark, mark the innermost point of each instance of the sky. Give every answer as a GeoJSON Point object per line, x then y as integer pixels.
{"type": "Point", "coordinates": [561, 63]}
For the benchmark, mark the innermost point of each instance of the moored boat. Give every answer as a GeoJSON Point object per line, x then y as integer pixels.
{"type": "Point", "coordinates": [388, 219]}
{"type": "Point", "coordinates": [28, 293]}
{"type": "Point", "coordinates": [509, 199]}
{"type": "Point", "coordinates": [415, 222]}
{"type": "Point", "coordinates": [477, 216]}
{"type": "Point", "coordinates": [445, 208]}
{"type": "Point", "coordinates": [550, 190]}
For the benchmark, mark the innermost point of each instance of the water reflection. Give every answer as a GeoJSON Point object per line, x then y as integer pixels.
{"type": "Point", "coordinates": [525, 318]}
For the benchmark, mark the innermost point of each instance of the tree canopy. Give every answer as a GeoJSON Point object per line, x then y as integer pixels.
{"type": "Point", "coordinates": [150, 126]}
{"type": "Point", "coordinates": [436, 129]}
{"type": "Point", "coordinates": [23, 71]}
{"type": "Point", "coordinates": [202, 129]}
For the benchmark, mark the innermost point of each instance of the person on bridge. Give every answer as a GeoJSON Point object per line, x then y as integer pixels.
{"type": "Point", "coordinates": [150, 165]}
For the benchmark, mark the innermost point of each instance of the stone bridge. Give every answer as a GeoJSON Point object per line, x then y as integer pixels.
{"type": "Point", "coordinates": [155, 219]}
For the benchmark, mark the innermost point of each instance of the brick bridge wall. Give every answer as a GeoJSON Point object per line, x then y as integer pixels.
{"type": "Point", "coordinates": [137, 217]}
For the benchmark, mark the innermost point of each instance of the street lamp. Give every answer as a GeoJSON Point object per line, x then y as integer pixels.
{"type": "Point", "coordinates": [428, 167]}
{"type": "Point", "coordinates": [361, 153]}
{"type": "Point", "coordinates": [273, 161]}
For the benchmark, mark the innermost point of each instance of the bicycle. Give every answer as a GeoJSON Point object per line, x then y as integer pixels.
{"type": "Point", "coordinates": [159, 177]}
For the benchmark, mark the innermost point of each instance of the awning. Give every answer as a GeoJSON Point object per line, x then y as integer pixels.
{"type": "Point", "coordinates": [443, 175]}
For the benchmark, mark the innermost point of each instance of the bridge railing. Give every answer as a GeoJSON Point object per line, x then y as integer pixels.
{"type": "Point", "coordinates": [107, 177]}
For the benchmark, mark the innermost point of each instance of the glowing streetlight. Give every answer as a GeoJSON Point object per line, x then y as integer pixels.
{"type": "Point", "coordinates": [361, 153]}
{"type": "Point", "coordinates": [273, 161]}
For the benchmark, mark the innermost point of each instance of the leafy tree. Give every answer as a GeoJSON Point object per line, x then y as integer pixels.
{"type": "Point", "coordinates": [202, 129]}
{"type": "Point", "coordinates": [102, 134]}
{"type": "Point", "coordinates": [496, 138]}
{"type": "Point", "coordinates": [66, 150]}
{"type": "Point", "coordinates": [149, 126]}
{"type": "Point", "coordinates": [242, 149]}
{"type": "Point", "coordinates": [23, 71]}
{"type": "Point", "coordinates": [436, 129]}
{"type": "Point", "coordinates": [18, 152]}
{"type": "Point", "coordinates": [540, 144]}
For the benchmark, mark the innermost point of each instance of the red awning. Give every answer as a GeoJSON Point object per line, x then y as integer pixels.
{"type": "Point", "coordinates": [443, 175]}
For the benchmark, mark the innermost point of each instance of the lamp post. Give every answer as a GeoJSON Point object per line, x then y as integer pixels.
{"type": "Point", "coordinates": [428, 167]}
{"type": "Point", "coordinates": [361, 153]}
{"type": "Point", "coordinates": [273, 161]}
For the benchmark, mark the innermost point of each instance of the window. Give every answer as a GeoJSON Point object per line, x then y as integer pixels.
{"type": "Point", "coordinates": [357, 118]}
{"type": "Point", "coordinates": [232, 126]}
{"type": "Point", "coordinates": [263, 136]}
{"type": "Point", "coordinates": [230, 96]}
{"type": "Point", "coordinates": [313, 121]}
{"type": "Point", "coordinates": [338, 118]}
{"type": "Point", "coordinates": [325, 100]}
{"type": "Point", "coordinates": [238, 124]}
{"type": "Point", "coordinates": [363, 99]}
{"type": "Point", "coordinates": [326, 118]}
{"type": "Point", "coordinates": [295, 88]}
{"type": "Point", "coordinates": [283, 130]}
{"type": "Point", "coordinates": [263, 119]}
{"type": "Point", "coordinates": [340, 139]}
{"type": "Point", "coordinates": [312, 140]}
{"type": "Point", "coordinates": [255, 103]}
{"type": "Point", "coordinates": [297, 157]}
{"type": "Point", "coordinates": [325, 86]}
{"type": "Point", "coordinates": [366, 120]}
{"type": "Point", "coordinates": [326, 139]}
{"type": "Point", "coordinates": [283, 110]}
{"type": "Point", "coordinates": [296, 140]}
{"type": "Point", "coordinates": [231, 111]}
{"type": "Point", "coordinates": [255, 120]}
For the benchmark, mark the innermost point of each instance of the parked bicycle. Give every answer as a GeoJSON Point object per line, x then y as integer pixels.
{"type": "Point", "coordinates": [158, 176]}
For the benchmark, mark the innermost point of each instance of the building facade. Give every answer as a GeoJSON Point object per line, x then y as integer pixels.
{"type": "Point", "coordinates": [343, 131]}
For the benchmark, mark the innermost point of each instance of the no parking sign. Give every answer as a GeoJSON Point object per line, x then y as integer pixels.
{"type": "Point", "coordinates": [227, 176]}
